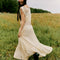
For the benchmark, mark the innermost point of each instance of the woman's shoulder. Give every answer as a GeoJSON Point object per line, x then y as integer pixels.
{"type": "Point", "coordinates": [21, 7]}
{"type": "Point", "coordinates": [25, 6]}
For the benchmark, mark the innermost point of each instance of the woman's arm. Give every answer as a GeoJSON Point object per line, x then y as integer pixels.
{"type": "Point", "coordinates": [22, 20]}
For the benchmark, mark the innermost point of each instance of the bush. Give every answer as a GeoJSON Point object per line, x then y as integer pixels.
{"type": "Point", "coordinates": [8, 6]}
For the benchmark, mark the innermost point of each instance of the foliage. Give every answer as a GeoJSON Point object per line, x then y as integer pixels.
{"type": "Point", "coordinates": [46, 27]}
{"type": "Point", "coordinates": [11, 6]}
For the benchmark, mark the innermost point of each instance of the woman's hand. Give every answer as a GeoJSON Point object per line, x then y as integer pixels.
{"type": "Point", "coordinates": [19, 34]}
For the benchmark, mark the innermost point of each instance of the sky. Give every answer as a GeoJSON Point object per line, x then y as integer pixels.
{"type": "Point", "coordinates": [50, 5]}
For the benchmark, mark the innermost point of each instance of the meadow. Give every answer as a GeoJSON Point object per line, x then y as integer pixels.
{"type": "Point", "coordinates": [46, 27]}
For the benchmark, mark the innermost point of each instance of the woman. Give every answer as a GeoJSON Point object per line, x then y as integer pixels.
{"type": "Point", "coordinates": [28, 43]}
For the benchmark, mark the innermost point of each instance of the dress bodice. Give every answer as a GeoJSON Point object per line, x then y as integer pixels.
{"type": "Point", "coordinates": [27, 13]}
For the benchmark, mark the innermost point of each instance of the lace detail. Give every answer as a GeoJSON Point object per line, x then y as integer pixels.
{"type": "Point", "coordinates": [27, 13]}
{"type": "Point", "coordinates": [22, 9]}
{"type": "Point", "coordinates": [25, 10]}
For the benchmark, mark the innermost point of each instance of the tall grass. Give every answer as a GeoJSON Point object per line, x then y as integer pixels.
{"type": "Point", "coordinates": [46, 27]}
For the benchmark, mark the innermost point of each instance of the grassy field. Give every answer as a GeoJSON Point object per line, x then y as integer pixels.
{"type": "Point", "coordinates": [46, 27]}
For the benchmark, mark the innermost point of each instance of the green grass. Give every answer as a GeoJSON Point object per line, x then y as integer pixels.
{"type": "Point", "coordinates": [46, 27]}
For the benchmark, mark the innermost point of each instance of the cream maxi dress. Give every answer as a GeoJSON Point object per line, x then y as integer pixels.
{"type": "Point", "coordinates": [28, 43]}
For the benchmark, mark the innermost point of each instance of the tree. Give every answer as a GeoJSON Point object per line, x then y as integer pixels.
{"type": "Point", "coordinates": [9, 6]}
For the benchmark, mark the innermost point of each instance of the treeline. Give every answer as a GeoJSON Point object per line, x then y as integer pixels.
{"type": "Point", "coordinates": [35, 10]}
{"type": "Point", "coordinates": [11, 6]}
{"type": "Point", "coordinates": [8, 6]}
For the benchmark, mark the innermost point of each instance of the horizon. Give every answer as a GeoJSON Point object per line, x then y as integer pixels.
{"type": "Point", "coordinates": [49, 5]}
